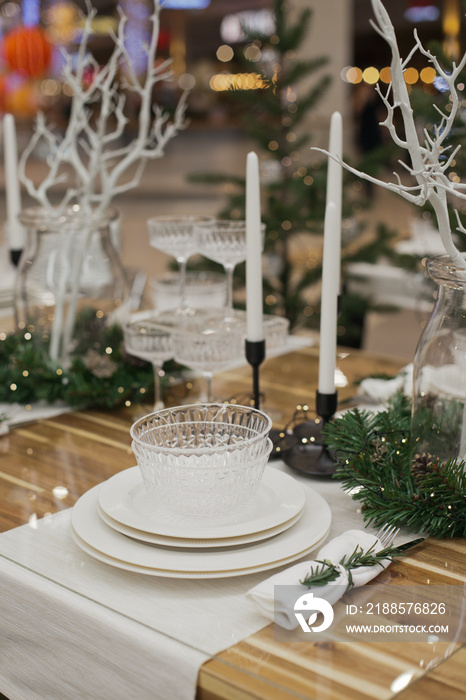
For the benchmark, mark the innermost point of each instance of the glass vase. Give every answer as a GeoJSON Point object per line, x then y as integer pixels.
{"type": "Point", "coordinates": [70, 280]}
{"type": "Point", "coordinates": [439, 391]}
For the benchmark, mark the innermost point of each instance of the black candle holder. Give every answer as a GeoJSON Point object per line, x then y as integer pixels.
{"type": "Point", "coordinates": [309, 455]}
{"type": "Point", "coordinates": [15, 256]}
{"type": "Point", "coordinates": [255, 355]}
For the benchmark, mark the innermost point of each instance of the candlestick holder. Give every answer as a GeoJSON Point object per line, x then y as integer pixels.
{"type": "Point", "coordinates": [15, 256]}
{"type": "Point", "coordinates": [309, 455]}
{"type": "Point", "coordinates": [255, 355]}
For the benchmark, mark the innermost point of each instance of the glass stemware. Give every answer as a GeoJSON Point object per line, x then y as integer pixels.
{"type": "Point", "coordinates": [146, 340]}
{"type": "Point", "coordinates": [225, 243]}
{"type": "Point", "coordinates": [174, 235]}
{"type": "Point", "coordinates": [203, 290]}
{"type": "Point", "coordinates": [208, 350]}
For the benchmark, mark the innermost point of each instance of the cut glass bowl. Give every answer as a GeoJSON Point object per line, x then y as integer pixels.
{"type": "Point", "coordinates": [203, 459]}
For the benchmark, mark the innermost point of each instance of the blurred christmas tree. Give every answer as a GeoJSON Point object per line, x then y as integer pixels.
{"type": "Point", "coordinates": [293, 188]}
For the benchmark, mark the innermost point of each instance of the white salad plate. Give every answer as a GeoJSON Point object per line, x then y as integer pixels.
{"type": "Point", "coordinates": [103, 543]}
{"type": "Point", "coordinates": [199, 543]}
{"type": "Point", "coordinates": [124, 498]}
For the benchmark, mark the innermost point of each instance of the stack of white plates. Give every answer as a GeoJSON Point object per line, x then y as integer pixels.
{"type": "Point", "coordinates": [120, 524]}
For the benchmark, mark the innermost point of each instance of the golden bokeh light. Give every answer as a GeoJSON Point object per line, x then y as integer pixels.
{"type": "Point", "coordinates": [428, 75]}
{"type": "Point", "coordinates": [236, 81]}
{"type": "Point", "coordinates": [411, 76]}
{"type": "Point", "coordinates": [370, 75]}
{"type": "Point", "coordinates": [385, 75]}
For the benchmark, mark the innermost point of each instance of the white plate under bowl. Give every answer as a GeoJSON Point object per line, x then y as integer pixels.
{"type": "Point", "coordinates": [202, 543]}
{"type": "Point", "coordinates": [149, 571]}
{"type": "Point", "coordinates": [124, 498]}
{"type": "Point", "coordinates": [121, 551]}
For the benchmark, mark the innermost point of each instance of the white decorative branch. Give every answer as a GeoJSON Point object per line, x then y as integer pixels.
{"type": "Point", "coordinates": [427, 169]}
{"type": "Point", "coordinates": [90, 153]}
{"type": "Point", "coordinates": [91, 147]}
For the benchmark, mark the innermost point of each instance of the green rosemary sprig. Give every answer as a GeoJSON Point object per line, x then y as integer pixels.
{"type": "Point", "coordinates": [321, 575]}
{"type": "Point", "coordinates": [327, 571]}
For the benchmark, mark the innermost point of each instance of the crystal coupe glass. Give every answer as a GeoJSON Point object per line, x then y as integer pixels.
{"type": "Point", "coordinates": [203, 459]}
{"type": "Point", "coordinates": [174, 235]}
{"type": "Point", "coordinates": [208, 349]}
{"type": "Point", "coordinates": [204, 289]}
{"type": "Point", "coordinates": [146, 340]}
{"type": "Point", "coordinates": [224, 242]}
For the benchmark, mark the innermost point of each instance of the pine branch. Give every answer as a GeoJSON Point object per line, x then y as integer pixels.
{"type": "Point", "coordinates": [293, 35]}
{"type": "Point", "coordinates": [302, 69]}
{"type": "Point", "coordinates": [376, 466]}
{"type": "Point", "coordinates": [28, 375]}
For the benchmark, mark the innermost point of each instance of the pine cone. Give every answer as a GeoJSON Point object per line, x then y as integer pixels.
{"type": "Point", "coordinates": [101, 366]}
{"type": "Point", "coordinates": [379, 446]}
{"type": "Point", "coordinates": [423, 464]}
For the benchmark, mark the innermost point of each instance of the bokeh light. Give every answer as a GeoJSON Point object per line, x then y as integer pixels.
{"type": "Point", "coordinates": [411, 76]}
{"type": "Point", "coordinates": [236, 81]}
{"type": "Point", "coordinates": [385, 75]}
{"type": "Point", "coordinates": [428, 75]}
{"type": "Point", "coordinates": [370, 75]}
{"type": "Point", "coordinates": [225, 53]}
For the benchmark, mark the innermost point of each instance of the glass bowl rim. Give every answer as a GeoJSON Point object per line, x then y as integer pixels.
{"type": "Point", "coordinates": [247, 442]}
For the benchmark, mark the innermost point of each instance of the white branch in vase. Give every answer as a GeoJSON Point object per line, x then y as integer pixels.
{"type": "Point", "coordinates": [90, 153]}
{"type": "Point", "coordinates": [428, 159]}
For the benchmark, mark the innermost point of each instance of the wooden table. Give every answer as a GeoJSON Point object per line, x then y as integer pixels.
{"type": "Point", "coordinates": [47, 465]}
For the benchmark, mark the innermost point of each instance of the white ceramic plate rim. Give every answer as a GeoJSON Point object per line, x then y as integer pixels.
{"type": "Point", "coordinates": [285, 500]}
{"type": "Point", "coordinates": [292, 543]}
{"type": "Point", "coordinates": [148, 571]}
{"type": "Point", "coordinates": [185, 542]}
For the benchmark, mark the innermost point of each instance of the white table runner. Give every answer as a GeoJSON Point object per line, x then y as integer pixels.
{"type": "Point", "coordinates": [73, 627]}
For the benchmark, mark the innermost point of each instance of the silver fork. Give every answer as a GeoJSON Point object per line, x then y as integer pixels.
{"type": "Point", "coordinates": [386, 535]}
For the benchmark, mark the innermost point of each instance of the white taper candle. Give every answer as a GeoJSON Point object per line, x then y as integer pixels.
{"type": "Point", "coordinates": [331, 261]}
{"type": "Point", "coordinates": [15, 231]}
{"type": "Point", "coordinates": [329, 303]}
{"type": "Point", "coordinates": [335, 176]}
{"type": "Point", "coordinates": [254, 315]}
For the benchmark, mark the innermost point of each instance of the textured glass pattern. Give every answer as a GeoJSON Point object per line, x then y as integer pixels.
{"type": "Point", "coordinates": [209, 351]}
{"type": "Point", "coordinates": [174, 235]}
{"type": "Point", "coordinates": [224, 242]}
{"type": "Point", "coordinates": [146, 340]}
{"type": "Point", "coordinates": [202, 459]}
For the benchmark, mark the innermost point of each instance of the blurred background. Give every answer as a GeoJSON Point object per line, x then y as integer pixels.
{"type": "Point", "coordinates": [263, 75]}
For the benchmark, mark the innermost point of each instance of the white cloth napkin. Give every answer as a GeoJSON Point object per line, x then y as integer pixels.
{"type": "Point", "coordinates": [277, 604]}
{"type": "Point", "coordinates": [15, 414]}
{"type": "Point", "coordinates": [380, 390]}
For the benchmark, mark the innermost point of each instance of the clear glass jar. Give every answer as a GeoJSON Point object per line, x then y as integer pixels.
{"type": "Point", "coordinates": [439, 392]}
{"type": "Point", "coordinates": [70, 273]}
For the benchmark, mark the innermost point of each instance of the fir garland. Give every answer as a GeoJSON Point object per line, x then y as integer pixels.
{"type": "Point", "coordinates": [101, 373]}
{"type": "Point", "coordinates": [377, 466]}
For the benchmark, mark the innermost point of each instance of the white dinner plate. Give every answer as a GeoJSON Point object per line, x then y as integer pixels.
{"type": "Point", "coordinates": [124, 498]}
{"type": "Point", "coordinates": [122, 551]}
{"type": "Point", "coordinates": [149, 571]}
{"type": "Point", "coordinates": [202, 543]}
